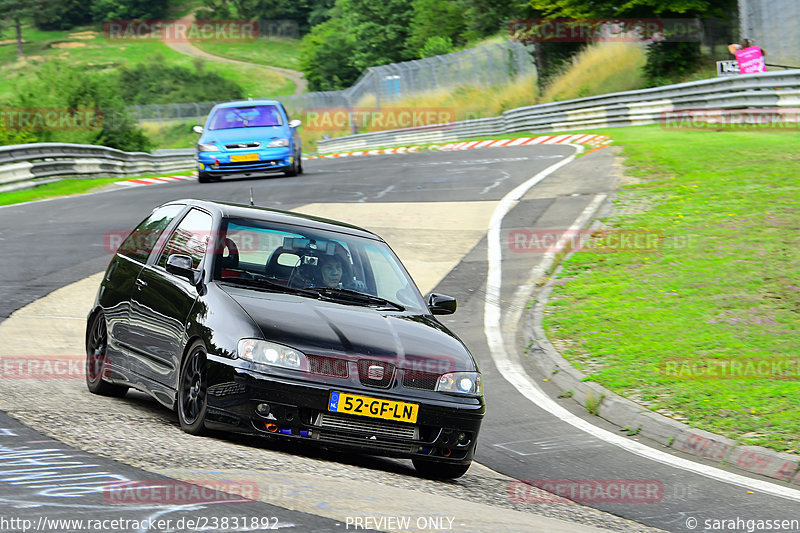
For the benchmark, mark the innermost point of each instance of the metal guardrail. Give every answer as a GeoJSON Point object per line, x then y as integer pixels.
{"type": "Point", "coordinates": [632, 108]}
{"type": "Point", "coordinates": [27, 165]}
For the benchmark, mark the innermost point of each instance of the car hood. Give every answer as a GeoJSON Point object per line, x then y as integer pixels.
{"type": "Point", "coordinates": [238, 135]}
{"type": "Point", "coordinates": [354, 332]}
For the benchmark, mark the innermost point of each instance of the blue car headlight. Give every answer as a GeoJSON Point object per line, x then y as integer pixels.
{"type": "Point", "coordinates": [460, 383]}
{"type": "Point", "coordinates": [207, 148]}
{"type": "Point", "coordinates": [278, 143]}
{"type": "Point", "coordinates": [270, 353]}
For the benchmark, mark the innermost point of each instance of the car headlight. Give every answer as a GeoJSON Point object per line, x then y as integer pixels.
{"type": "Point", "coordinates": [207, 148]}
{"type": "Point", "coordinates": [278, 143]}
{"type": "Point", "coordinates": [460, 383]}
{"type": "Point", "coordinates": [270, 353]}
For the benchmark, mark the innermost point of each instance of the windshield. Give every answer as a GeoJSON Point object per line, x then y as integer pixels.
{"type": "Point", "coordinates": [325, 264]}
{"type": "Point", "coordinates": [245, 117]}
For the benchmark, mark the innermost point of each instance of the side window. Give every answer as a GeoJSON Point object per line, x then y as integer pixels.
{"type": "Point", "coordinates": [141, 240]}
{"type": "Point", "coordinates": [190, 238]}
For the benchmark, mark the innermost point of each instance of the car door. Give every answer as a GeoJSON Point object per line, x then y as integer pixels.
{"type": "Point", "coordinates": [161, 301]}
{"type": "Point", "coordinates": [118, 284]}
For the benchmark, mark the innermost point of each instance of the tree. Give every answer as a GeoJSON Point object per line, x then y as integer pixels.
{"type": "Point", "coordinates": [15, 11]}
{"type": "Point", "coordinates": [379, 30]}
{"type": "Point", "coordinates": [306, 13]}
{"type": "Point", "coordinates": [436, 46]}
{"type": "Point", "coordinates": [664, 59]}
{"type": "Point", "coordinates": [435, 18]}
{"type": "Point", "coordinates": [106, 10]}
{"type": "Point", "coordinates": [63, 15]}
{"type": "Point", "coordinates": [587, 9]}
{"type": "Point", "coordinates": [325, 56]}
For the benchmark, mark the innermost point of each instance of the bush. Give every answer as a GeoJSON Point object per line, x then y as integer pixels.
{"type": "Point", "coordinates": [668, 62]}
{"type": "Point", "coordinates": [436, 46]}
{"type": "Point", "coordinates": [59, 86]}
{"type": "Point", "coordinates": [156, 82]}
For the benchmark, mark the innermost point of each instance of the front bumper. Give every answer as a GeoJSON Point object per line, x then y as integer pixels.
{"type": "Point", "coordinates": [446, 429]}
{"type": "Point", "coordinates": [270, 159]}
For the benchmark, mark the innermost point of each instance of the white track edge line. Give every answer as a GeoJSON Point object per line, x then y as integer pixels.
{"type": "Point", "coordinates": [516, 375]}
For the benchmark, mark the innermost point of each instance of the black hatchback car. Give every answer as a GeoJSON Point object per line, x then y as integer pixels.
{"type": "Point", "coordinates": [266, 322]}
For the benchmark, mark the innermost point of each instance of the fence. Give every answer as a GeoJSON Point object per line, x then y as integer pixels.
{"type": "Point", "coordinates": [632, 108]}
{"type": "Point", "coordinates": [483, 66]}
{"type": "Point", "coordinates": [26, 165]}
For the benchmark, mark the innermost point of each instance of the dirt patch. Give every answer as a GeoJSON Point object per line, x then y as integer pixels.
{"type": "Point", "coordinates": [67, 45]}
{"type": "Point", "coordinates": [84, 35]}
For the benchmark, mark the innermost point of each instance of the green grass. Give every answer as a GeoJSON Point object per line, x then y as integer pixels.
{"type": "Point", "coordinates": [96, 52]}
{"type": "Point", "coordinates": [172, 134]}
{"type": "Point", "coordinates": [724, 284]}
{"type": "Point", "coordinates": [66, 187]}
{"type": "Point", "coordinates": [283, 53]}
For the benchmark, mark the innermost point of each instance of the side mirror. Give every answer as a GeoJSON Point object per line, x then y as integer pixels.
{"type": "Point", "coordinates": [441, 304]}
{"type": "Point", "coordinates": [197, 129]}
{"type": "Point", "coordinates": [295, 123]}
{"type": "Point", "coordinates": [181, 265]}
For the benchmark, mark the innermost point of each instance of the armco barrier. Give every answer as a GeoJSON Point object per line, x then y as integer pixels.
{"type": "Point", "coordinates": [632, 108]}
{"type": "Point", "coordinates": [26, 165]}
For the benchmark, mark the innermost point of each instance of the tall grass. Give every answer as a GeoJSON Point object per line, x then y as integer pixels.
{"type": "Point", "coordinates": [600, 68]}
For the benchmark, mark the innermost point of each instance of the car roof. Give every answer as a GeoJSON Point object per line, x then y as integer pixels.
{"type": "Point", "coordinates": [265, 214]}
{"type": "Point", "coordinates": [239, 103]}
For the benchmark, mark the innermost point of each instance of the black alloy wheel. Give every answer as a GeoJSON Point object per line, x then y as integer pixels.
{"type": "Point", "coordinates": [193, 391]}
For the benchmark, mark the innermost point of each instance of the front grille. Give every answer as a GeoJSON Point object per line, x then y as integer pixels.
{"type": "Point", "coordinates": [361, 441]}
{"type": "Point", "coordinates": [373, 373]}
{"type": "Point", "coordinates": [327, 366]}
{"type": "Point", "coordinates": [420, 380]}
{"type": "Point", "coordinates": [242, 146]}
{"type": "Point", "coordinates": [373, 428]}
{"type": "Point", "coordinates": [245, 164]}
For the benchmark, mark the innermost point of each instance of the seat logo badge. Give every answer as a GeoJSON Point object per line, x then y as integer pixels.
{"type": "Point", "coordinates": [375, 372]}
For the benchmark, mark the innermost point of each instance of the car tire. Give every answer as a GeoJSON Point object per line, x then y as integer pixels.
{"type": "Point", "coordinates": [203, 177]}
{"type": "Point", "coordinates": [299, 165]}
{"type": "Point", "coordinates": [435, 470]}
{"type": "Point", "coordinates": [97, 360]}
{"type": "Point", "coordinates": [293, 170]}
{"type": "Point", "coordinates": [192, 401]}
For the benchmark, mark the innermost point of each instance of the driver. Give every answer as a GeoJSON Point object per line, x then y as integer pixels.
{"type": "Point", "coordinates": [331, 270]}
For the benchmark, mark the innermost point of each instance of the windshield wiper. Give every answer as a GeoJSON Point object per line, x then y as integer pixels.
{"type": "Point", "coordinates": [266, 284]}
{"type": "Point", "coordinates": [351, 295]}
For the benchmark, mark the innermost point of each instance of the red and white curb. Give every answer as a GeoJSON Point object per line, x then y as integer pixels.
{"type": "Point", "coordinates": [597, 141]}
{"type": "Point", "coordinates": [138, 182]}
{"type": "Point", "coordinates": [591, 140]}
{"type": "Point", "coordinates": [401, 150]}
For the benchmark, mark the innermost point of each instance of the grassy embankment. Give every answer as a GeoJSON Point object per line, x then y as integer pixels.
{"type": "Point", "coordinates": [90, 49]}
{"type": "Point", "coordinates": [659, 326]}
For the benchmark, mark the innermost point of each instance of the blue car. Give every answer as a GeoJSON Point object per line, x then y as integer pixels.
{"type": "Point", "coordinates": [246, 137]}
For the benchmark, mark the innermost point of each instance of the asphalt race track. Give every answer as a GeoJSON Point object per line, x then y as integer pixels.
{"type": "Point", "coordinates": [439, 204]}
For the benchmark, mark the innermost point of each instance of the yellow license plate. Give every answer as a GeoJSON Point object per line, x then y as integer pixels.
{"type": "Point", "coordinates": [244, 157]}
{"type": "Point", "coordinates": [373, 407]}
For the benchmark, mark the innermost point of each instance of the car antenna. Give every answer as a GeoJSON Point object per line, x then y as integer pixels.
{"type": "Point", "coordinates": [251, 196]}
